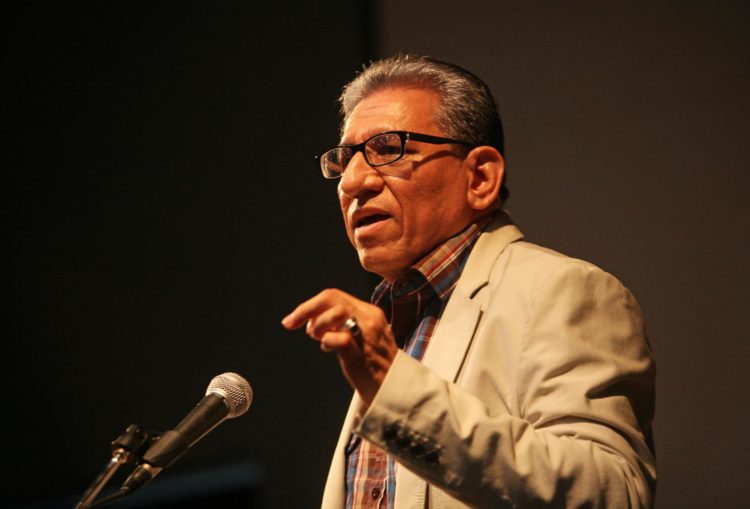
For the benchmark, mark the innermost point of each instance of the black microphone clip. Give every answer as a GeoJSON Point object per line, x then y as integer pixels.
{"type": "Point", "coordinates": [133, 443]}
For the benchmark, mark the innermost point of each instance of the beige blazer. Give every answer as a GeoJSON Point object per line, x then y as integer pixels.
{"type": "Point", "coordinates": [536, 390]}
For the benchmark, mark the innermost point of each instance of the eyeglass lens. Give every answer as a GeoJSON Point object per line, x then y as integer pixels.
{"type": "Point", "coordinates": [378, 150]}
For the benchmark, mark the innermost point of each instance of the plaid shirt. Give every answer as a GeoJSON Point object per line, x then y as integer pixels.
{"type": "Point", "coordinates": [413, 304]}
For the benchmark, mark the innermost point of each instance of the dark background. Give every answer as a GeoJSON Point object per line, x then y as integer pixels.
{"type": "Point", "coordinates": [163, 213]}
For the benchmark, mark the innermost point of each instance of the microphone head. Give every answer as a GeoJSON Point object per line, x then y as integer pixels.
{"type": "Point", "coordinates": [235, 390]}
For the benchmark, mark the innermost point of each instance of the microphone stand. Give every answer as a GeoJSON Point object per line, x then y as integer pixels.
{"type": "Point", "coordinates": [127, 448]}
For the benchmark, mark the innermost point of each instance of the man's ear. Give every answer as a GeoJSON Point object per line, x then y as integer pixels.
{"type": "Point", "coordinates": [486, 168]}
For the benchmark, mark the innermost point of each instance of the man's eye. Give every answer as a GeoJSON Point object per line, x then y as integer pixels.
{"type": "Point", "coordinates": [388, 149]}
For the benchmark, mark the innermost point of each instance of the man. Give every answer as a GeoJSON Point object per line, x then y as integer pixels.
{"type": "Point", "coordinates": [488, 372]}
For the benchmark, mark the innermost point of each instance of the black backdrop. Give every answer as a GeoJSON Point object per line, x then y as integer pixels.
{"type": "Point", "coordinates": [627, 144]}
{"type": "Point", "coordinates": [164, 213]}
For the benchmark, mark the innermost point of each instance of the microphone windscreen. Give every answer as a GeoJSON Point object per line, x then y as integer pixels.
{"type": "Point", "coordinates": [235, 389]}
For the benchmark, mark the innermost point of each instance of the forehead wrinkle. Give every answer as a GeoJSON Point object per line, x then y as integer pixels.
{"type": "Point", "coordinates": [387, 121]}
{"type": "Point", "coordinates": [390, 114]}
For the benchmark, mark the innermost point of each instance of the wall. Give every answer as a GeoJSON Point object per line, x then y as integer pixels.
{"type": "Point", "coordinates": [627, 128]}
{"type": "Point", "coordinates": [164, 213]}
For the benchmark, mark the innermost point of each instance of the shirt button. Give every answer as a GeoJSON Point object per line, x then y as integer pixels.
{"type": "Point", "coordinates": [375, 493]}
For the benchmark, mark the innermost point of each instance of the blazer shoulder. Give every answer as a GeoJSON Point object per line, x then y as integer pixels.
{"type": "Point", "coordinates": [523, 255]}
{"type": "Point", "coordinates": [524, 268]}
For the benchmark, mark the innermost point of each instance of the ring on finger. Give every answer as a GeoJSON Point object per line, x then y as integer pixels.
{"type": "Point", "coordinates": [353, 327]}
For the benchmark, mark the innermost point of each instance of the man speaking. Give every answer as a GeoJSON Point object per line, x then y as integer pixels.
{"type": "Point", "coordinates": [488, 371]}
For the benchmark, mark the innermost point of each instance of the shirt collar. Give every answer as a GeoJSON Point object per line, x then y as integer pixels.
{"type": "Point", "coordinates": [438, 271]}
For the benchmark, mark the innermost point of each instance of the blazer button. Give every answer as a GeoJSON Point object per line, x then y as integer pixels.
{"type": "Point", "coordinates": [417, 448]}
{"type": "Point", "coordinates": [403, 441]}
{"type": "Point", "coordinates": [390, 432]}
{"type": "Point", "coordinates": [432, 457]}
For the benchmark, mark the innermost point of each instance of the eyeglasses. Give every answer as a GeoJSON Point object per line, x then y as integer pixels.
{"type": "Point", "coordinates": [379, 150]}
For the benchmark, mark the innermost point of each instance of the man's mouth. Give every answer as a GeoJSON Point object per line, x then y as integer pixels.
{"type": "Point", "coordinates": [368, 220]}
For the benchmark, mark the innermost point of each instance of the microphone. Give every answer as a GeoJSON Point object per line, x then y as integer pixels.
{"type": "Point", "coordinates": [228, 396]}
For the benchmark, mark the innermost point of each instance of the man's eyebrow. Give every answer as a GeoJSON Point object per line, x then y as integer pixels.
{"type": "Point", "coordinates": [367, 135]}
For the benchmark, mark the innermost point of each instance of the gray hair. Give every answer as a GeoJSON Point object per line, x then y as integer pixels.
{"type": "Point", "coordinates": [468, 110]}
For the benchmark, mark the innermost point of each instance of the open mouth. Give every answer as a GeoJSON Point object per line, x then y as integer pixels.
{"type": "Point", "coordinates": [368, 220]}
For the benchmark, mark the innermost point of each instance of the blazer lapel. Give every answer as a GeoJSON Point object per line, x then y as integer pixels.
{"type": "Point", "coordinates": [452, 337]}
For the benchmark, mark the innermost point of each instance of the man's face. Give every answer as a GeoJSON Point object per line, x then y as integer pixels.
{"type": "Point", "coordinates": [396, 214]}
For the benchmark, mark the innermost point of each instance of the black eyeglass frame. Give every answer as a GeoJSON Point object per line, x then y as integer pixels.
{"type": "Point", "coordinates": [404, 136]}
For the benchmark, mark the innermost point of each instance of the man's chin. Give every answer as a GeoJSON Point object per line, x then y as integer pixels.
{"type": "Point", "coordinates": [380, 261]}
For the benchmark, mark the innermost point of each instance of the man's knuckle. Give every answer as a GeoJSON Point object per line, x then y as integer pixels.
{"type": "Point", "coordinates": [327, 292]}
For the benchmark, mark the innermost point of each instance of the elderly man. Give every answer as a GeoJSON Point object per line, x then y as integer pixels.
{"type": "Point", "coordinates": [488, 371]}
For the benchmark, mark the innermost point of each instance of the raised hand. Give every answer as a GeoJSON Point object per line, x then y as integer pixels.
{"type": "Point", "coordinates": [365, 351]}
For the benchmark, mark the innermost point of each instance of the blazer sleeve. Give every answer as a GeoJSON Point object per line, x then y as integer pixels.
{"type": "Point", "coordinates": [573, 429]}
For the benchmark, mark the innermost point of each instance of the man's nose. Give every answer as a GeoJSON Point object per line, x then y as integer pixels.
{"type": "Point", "coordinates": [359, 177]}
